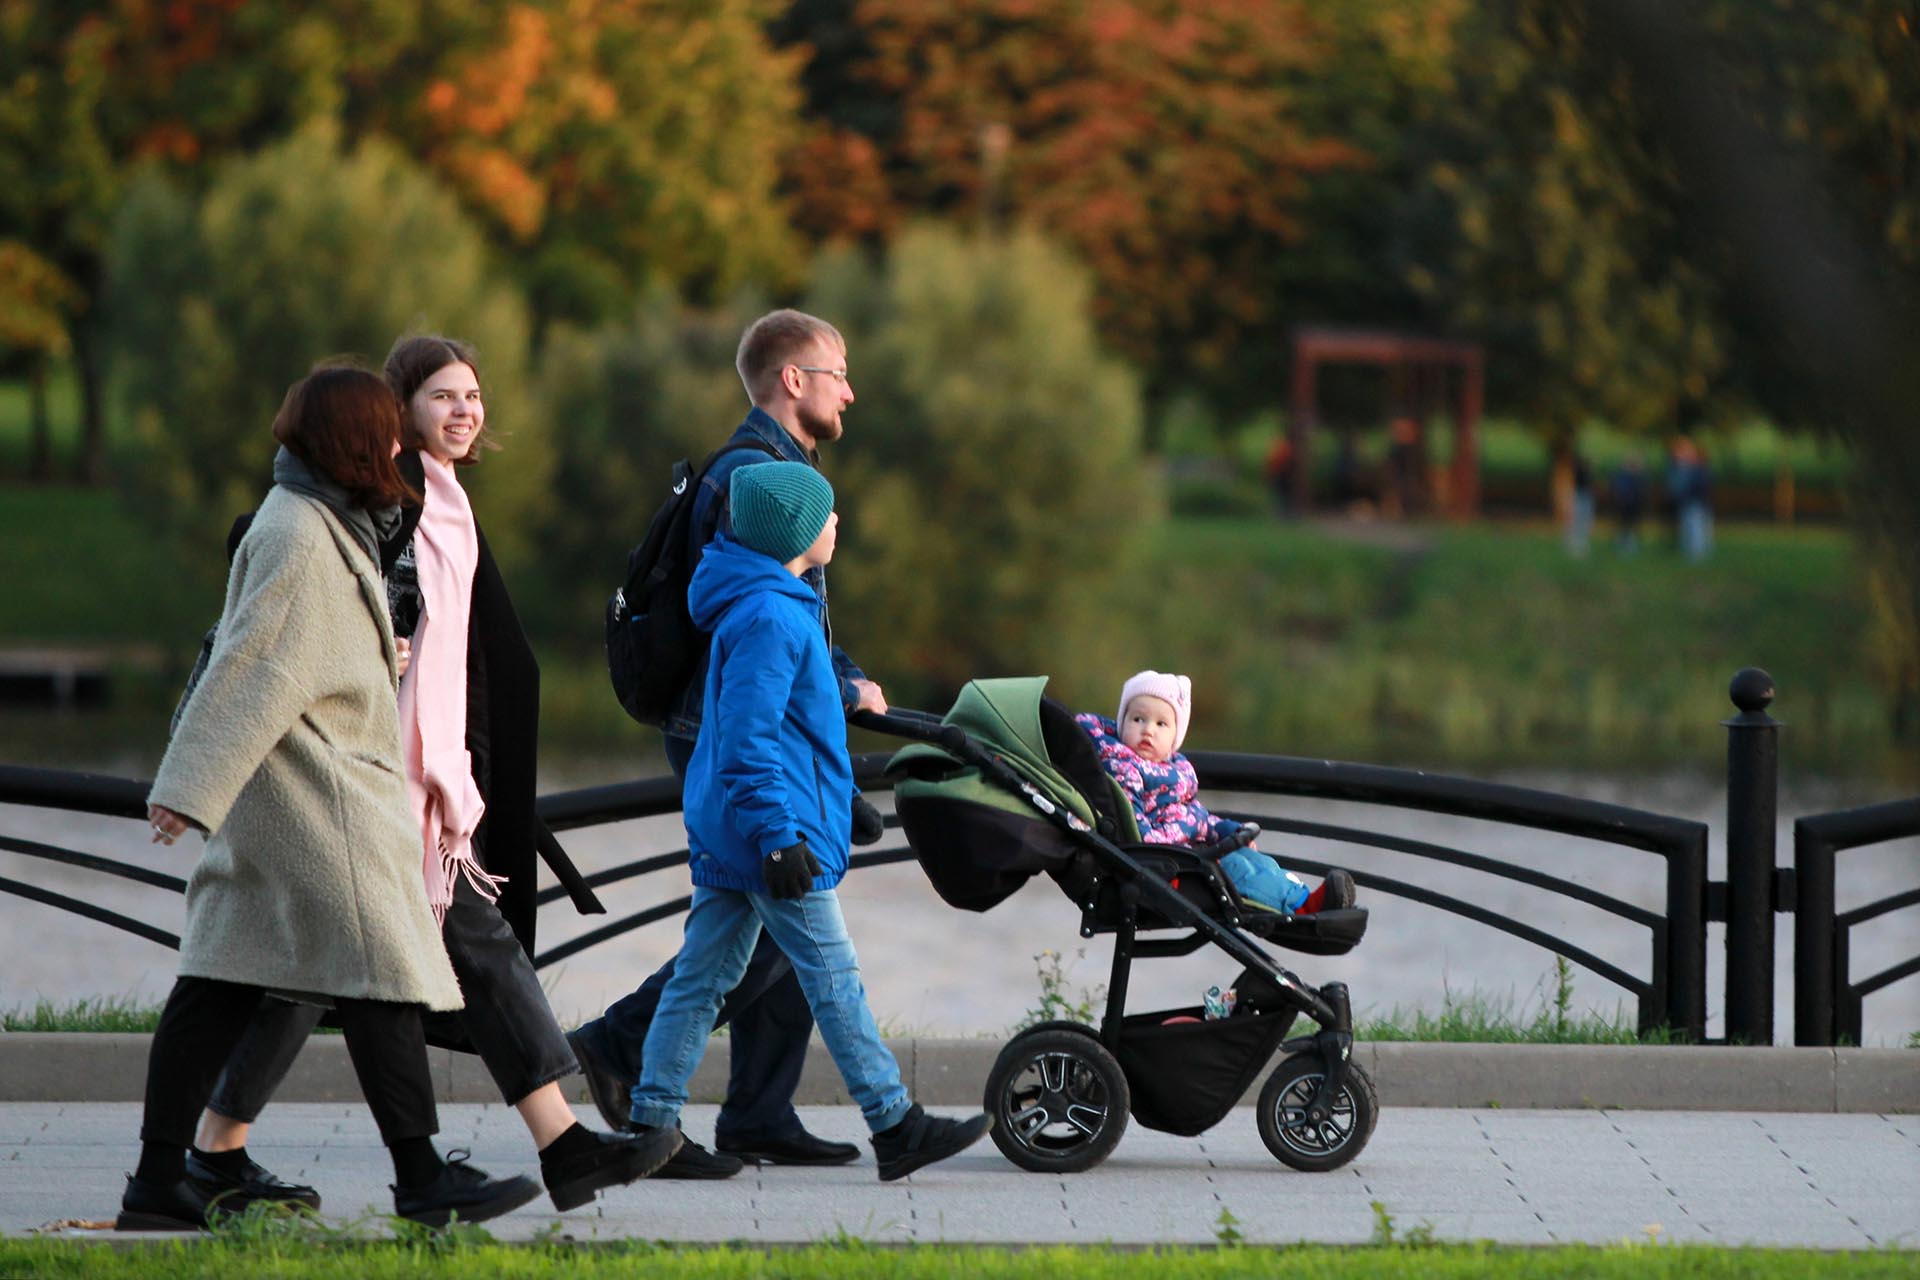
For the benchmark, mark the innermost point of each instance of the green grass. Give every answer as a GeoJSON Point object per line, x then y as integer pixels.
{"type": "Point", "coordinates": [1448, 646]}
{"type": "Point", "coordinates": [63, 421]}
{"type": "Point", "coordinates": [1487, 644]}
{"type": "Point", "coordinates": [96, 1013]}
{"type": "Point", "coordinates": [83, 569]}
{"type": "Point", "coordinates": [1477, 1018]}
{"type": "Point", "coordinates": [473, 1256]}
{"type": "Point", "coordinates": [1748, 454]}
{"type": "Point", "coordinates": [1473, 1017]}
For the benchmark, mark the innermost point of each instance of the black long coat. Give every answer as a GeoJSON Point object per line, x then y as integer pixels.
{"type": "Point", "coordinates": [503, 726]}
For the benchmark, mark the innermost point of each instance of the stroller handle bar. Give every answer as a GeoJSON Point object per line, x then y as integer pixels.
{"type": "Point", "coordinates": [920, 726]}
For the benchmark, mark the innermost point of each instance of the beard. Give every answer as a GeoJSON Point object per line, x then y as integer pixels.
{"type": "Point", "coordinates": [820, 428]}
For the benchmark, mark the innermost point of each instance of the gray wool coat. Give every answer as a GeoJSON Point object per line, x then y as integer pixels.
{"type": "Point", "coordinates": [288, 753]}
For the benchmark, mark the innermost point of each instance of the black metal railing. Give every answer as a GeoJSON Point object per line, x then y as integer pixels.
{"type": "Point", "coordinates": [1673, 995]}
{"type": "Point", "coordinates": [1827, 1007]}
{"type": "Point", "coordinates": [1673, 992]}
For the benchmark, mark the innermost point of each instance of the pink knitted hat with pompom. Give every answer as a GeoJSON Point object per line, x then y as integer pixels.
{"type": "Point", "coordinates": [1175, 691]}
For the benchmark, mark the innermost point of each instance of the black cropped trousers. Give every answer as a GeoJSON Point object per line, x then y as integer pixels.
{"type": "Point", "coordinates": [507, 1018]}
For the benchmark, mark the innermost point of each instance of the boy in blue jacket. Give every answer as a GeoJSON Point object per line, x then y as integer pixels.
{"type": "Point", "coordinates": [767, 802]}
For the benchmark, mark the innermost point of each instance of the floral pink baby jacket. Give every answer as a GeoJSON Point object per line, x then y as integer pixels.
{"type": "Point", "coordinates": [1162, 794]}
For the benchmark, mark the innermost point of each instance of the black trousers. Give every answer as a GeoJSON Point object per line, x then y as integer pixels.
{"type": "Point", "coordinates": [507, 1018]}
{"type": "Point", "coordinates": [204, 1019]}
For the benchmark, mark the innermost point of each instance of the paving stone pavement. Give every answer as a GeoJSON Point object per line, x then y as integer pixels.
{"type": "Point", "coordinates": [1825, 1181]}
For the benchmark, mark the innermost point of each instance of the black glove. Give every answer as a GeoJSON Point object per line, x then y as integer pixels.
{"type": "Point", "coordinates": [789, 873]}
{"type": "Point", "coordinates": [868, 825]}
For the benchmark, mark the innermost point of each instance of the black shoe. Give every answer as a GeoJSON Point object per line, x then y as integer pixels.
{"type": "Point", "coordinates": [693, 1162]}
{"type": "Point", "coordinates": [157, 1206]}
{"type": "Point", "coordinates": [465, 1190]}
{"type": "Point", "coordinates": [254, 1184]}
{"type": "Point", "coordinates": [612, 1096]}
{"type": "Point", "coordinates": [921, 1139]}
{"type": "Point", "coordinates": [799, 1148]}
{"type": "Point", "coordinates": [615, 1160]}
{"type": "Point", "coordinates": [1340, 892]}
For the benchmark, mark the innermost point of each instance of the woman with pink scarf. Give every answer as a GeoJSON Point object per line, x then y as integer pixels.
{"type": "Point", "coordinates": [468, 707]}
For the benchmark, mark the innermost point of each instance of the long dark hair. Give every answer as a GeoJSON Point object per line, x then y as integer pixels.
{"type": "Point", "coordinates": [342, 421]}
{"type": "Point", "coordinates": [416, 358]}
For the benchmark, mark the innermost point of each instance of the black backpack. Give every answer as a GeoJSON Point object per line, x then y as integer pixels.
{"type": "Point", "coordinates": [652, 644]}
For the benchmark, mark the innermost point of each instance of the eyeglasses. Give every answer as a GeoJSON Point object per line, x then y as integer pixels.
{"type": "Point", "coordinates": [840, 374]}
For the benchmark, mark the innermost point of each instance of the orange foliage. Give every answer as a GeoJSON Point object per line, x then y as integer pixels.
{"type": "Point", "coordinates": [1157, 136]}
{"type": "Point", "coordinates": [168, 140]}
{"type": "Point", "coordinates": [500, 184]}
{"type": "Point", "coordinates": [490, 92]}
{"type": "Point", "coordinates": [838, 190]}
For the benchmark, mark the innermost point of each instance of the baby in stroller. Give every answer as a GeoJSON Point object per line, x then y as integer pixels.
{"type": "Point", "coordinates": [1142, 753]}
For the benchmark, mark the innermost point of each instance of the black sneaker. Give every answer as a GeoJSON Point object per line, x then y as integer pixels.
{"type": "Point", "coordinates": [253, 1184]}
{"type": "Point", "coordinates": [1340, 892]}
{"type": "Point", "coordinates": [158, 1206]}
{"type": "Point", "coordinates": [799, 1147]}
{"type": "Point", "coordinates": [693, 1162]}
{"type": "Point", "coordinates": [615, 1160]}
{"type": "Point", "coordinates": [463, 1189]}
{"type": "Point", "coordinates": [612, 1096]}
{"type": "Point", "coordinates": [921, 1139]}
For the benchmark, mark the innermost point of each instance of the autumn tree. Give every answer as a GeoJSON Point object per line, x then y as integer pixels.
{"type": "Point", "coordinates": [613, 147]}
{"type": "Point", "coordinates": [36, 327]}
{"type": "Point", "coordinates": [303, 251]}
{"type": "Point", "coordinates": [1569, 256]}
{"type": "Point", "coordinates": [603, 147]}
{"type": "Point", "coordinates": [1798, 125]}
{"type": "Point", "coordinates": [1165, 143]}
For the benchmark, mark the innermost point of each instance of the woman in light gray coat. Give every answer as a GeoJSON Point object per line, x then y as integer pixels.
{"type": "Point", "coordinates": [287, 756]}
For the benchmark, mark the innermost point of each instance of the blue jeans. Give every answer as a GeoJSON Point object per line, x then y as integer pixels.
{"type": "Point", "coordinates": [770, 1024]}
{"type": "Point", "coordinates": [1260, 879]}
{"type": "Point", "coordinates": [722, 927]}
{"type": "Point", "coordinates": [767, 1014]}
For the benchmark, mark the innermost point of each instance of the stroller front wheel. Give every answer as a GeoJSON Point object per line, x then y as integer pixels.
{"type": "Point", "coordinates": [1059, 1101]}
{"type": "Point", "coordinates": [1330, 1143]}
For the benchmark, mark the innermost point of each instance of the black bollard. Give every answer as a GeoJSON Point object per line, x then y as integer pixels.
{"type": "Point", "coordinates": [1753, 785]}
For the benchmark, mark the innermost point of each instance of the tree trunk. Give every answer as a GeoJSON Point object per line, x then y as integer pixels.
{"type": "Point", "coordinates": [39, 430]}
{"type": "Point", "coordinates": [93, 419]}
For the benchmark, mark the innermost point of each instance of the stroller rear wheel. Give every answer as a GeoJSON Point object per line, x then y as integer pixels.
{"type": "Point", "coordinates": [1296, 1141]}
{"type": "Point", "coordinates": [1058, 1099]}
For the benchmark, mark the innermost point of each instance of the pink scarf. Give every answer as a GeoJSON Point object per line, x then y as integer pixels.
{"type": "Point", "coordinates": [433, 694]}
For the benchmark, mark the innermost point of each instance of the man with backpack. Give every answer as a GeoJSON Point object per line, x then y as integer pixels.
{"type": "Point", "coordinates": [794, 367]}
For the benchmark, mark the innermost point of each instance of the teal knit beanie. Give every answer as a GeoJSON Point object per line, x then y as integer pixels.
{"type": "Point", "coordinates": [779, 508]}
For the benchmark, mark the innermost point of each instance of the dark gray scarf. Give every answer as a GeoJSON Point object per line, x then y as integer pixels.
{"type": "Point", "coordinates": [369, 526]}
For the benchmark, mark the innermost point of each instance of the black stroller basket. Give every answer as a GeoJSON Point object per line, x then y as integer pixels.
{"type": "Point", "coordinates": [1019, 791]}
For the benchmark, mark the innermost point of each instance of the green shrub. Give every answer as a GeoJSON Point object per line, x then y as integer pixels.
{"type": "Point", "coordinates": [993, 495]}
{"type": "Point", "coordinates": [624, 402]}
{"type": "Point", "coordinates": [217, 304]}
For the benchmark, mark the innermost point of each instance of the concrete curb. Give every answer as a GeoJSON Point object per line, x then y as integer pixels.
{"type": "Point", "coordinates": [37, 1067]}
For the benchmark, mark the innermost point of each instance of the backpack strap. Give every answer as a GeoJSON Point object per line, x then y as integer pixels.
{"type": "Point", "coordinates": [660, 571]}
{"type": "Point", "coordinates": [730, 447]}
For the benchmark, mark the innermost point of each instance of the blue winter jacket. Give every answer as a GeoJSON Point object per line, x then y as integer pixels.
{"type": "Point", "coordinates": [770, 767]}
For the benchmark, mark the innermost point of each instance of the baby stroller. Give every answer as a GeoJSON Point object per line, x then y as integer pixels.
{"type": "Point", "coordinates": [1007, 786]}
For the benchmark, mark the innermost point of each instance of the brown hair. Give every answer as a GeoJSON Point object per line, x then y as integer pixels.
{"type": "Point", "coordinates": [416, 358]}
{"type": "Point", "coordinates": [770, 344]}
{"type": "Point", "coordinates": [342, 421]}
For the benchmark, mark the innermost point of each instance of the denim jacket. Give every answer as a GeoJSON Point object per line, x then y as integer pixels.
{"type": "Point", "coordinates": [712, 514]}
